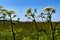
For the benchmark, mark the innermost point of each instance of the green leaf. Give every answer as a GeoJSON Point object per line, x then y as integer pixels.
{"type": "Point", "coordinates": [35, 10]}
{"type": "Point", "coordinates": [29, 11]}
{"type": "Point", "coordinates": [53, 11]}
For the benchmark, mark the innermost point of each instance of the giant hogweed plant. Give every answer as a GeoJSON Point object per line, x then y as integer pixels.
{"type": "Point", "coordinates": [4, 13]}
{"type": "Point", "coordinates": [47, 14]}
{"type": "Point", "coordinates": [43, 23]}
{"type": "Point", "coordinates": [31, 16]}
{"type": "Point", "coordinates": [10, 13]}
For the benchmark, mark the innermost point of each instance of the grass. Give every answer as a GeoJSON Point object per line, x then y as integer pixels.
{"type": "Point", "coordinates": [27, 31]}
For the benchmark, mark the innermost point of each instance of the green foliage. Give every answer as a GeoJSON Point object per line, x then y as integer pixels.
{"type": "Point", "coordinates": [26, 32]}
{"type": "Point", "coordinates": [27, 38]}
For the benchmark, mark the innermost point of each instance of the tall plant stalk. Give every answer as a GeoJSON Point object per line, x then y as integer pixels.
{"type": "Point", "coordinates": [36, 29]}
{"type": "Point", "coordinates": [13, 34]}
{"type": "Point", "coordinates": [12, 31]}
{"type": "Point", "coordinates": [12, 24]}
{"type": "Point", "coordinates": [52, 28]}
{"type": "Point", "coordinates": [31, 16]}
{"type": "Point", "coordinates": [49, 10]}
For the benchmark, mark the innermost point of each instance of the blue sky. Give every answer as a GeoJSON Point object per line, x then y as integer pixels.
{"type": "Point", "coordinates": [20, 6]}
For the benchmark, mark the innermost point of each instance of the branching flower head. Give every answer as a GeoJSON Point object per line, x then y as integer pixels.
{"type": "Point", "coordinates": [11, 12]}
{"type": "Point", "coordinates": [28, 12]}
{"type": "Point", "coordinates": [49, 8]}
{"type": "Point", "coordinates": [4, 11]}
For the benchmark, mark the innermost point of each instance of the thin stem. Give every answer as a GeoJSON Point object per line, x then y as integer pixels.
{"type": "Point", "coordinates": [36, 29]}
{"type": "Point", "coordinates": [12, 29]}
{"type": "Point", "coordinates": [52, 28]}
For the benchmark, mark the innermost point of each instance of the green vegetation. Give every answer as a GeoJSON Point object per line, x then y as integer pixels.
{"type": "Point", "coordinates": [27, 32]}
{"type": "Point", "coordinates": [15, 30]}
